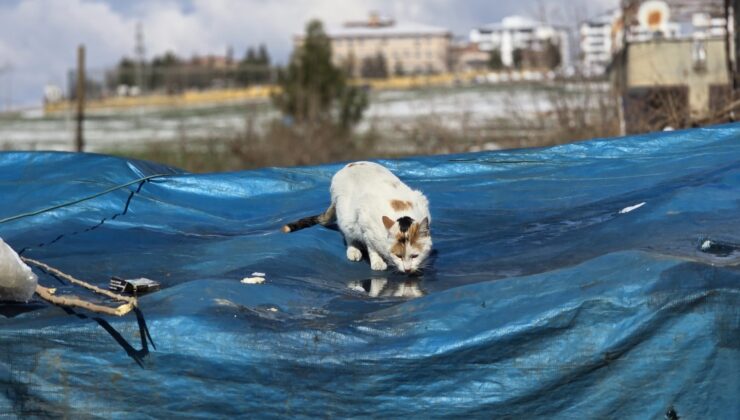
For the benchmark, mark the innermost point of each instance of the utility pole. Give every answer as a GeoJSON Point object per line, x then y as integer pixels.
{"type": "Point", "coordinates": [140, 52]}
{"type": "Point", "coordinates": [5, 76]}
{"type": "Point", "coordinates": [736, 30]}
{"type": "Point", "coordinates": [80, 142]}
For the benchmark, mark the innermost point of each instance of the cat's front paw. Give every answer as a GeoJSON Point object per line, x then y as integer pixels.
{"type": "Point", "coordinates": [378, 264]}
{"type": "Point", "coordinates": [353, 254]}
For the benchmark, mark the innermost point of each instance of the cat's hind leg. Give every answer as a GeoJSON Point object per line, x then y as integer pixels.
{"type": "Point", "coordinates": [353, 253]}
{"type": "Point", "coordinates": [376, 261]}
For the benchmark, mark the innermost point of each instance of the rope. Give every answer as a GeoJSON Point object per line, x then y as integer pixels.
{"type": "Point", "coordinates": [58, 206]}
{"type": "Point", "coordinates": [47, 294]}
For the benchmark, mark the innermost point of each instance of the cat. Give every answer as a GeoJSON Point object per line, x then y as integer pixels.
{"type": "Point", "coordinates": [376, 211]}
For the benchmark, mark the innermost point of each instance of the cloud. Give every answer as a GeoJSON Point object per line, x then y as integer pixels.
{"type": "Point", "coordinates": [39, 38]}
{"type": "Point", "coordinates": [39, 41]}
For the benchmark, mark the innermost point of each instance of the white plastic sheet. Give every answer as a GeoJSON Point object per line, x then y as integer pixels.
{"type": "Point", "coordinates": [17, 281]}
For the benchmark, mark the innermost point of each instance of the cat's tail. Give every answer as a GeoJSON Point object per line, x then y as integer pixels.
{"type": "Point", "coordinates": [320, 219]}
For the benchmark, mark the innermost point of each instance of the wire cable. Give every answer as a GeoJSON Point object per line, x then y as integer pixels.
{"type": "Point", "coordinates": [58, 206]}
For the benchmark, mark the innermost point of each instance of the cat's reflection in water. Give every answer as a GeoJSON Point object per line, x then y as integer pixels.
{"type": "Point", "coordinates": [381, 287]}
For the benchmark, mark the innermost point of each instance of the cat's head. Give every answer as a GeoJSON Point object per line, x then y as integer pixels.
{"type": "Point", "coordinates": [409, 242]}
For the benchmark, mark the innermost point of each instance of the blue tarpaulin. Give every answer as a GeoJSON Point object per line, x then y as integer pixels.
{"type": "Point", "coordinates": [589, 280]}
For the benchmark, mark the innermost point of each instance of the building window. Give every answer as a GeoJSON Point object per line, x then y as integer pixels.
{"type": "Point", "coordinates": [699, 55]}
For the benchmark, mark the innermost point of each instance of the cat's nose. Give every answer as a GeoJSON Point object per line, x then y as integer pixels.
{"type": "Point", "coordinates": [408, 271]}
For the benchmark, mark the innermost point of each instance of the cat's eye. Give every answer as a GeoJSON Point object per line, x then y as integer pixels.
{"type": "Point", "coordinates": [414, 256]}
{"type": "Point", "coordinates": [399, 255]}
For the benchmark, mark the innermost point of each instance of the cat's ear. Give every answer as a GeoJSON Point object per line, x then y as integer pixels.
{"type": "Point", "coordinates": [388, 222]}
{"type": "Point", "coordinates": [424, 227]}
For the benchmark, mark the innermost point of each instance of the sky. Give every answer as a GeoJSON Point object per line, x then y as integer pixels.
{"type": "Point", "coordinates": [39, 38]}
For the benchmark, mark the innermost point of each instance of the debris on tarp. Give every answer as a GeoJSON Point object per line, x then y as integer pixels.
{"type": "Point", "coordinates": [630, 208]}
{"type": "Point", "coordinates": [135, 287]}
{"type": "Point", "coordinates": [719, 248]}
{"type": "Point", "coordinates": [255, 278]}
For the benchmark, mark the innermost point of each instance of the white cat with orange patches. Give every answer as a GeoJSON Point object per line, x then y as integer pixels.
{"type": "Point", "coordinates": [377, 212]}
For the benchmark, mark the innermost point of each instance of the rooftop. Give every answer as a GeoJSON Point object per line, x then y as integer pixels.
{"type": "Point", "coordinates": [605, 18]}
{"type": "Point", "coordinates": [395, 29]}
{"type": "Point", "coordinates": [517, 22]}
{"type": "Point", "coordinates": [381, 26]}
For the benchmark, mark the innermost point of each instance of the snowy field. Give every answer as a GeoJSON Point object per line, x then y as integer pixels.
{"type": "Point", "coordinates": [133, 128]}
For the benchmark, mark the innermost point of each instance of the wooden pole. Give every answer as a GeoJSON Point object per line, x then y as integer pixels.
{"type": "Point", "coordinates": [79, 140]}
{"type": "Point", "coordinates": [736, 30]}
{"type": "Point", "coordinates": [728, 47]}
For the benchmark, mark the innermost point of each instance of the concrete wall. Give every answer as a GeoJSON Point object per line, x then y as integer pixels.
{"type": "Point", "coordinates": [670, 63]}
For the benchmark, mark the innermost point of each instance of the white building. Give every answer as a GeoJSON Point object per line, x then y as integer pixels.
{"type": "Point", "coordinates": [676, 19]}
{"type": "Point", "coordinates": [521, 33]}
{"type": "Point", "coordinates": [597, 42]}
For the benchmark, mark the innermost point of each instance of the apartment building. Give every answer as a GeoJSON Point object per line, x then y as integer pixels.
{"type": "Point", "coordinates": [524, 42]}
{"type": "Point", "coordinates": [405, 47]}
{"type": "Point", "coordinates": [597, 42]}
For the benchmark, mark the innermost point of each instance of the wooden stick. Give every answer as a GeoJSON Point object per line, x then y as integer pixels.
{"type": "Point", "coordinates": [47, 294]}
{"type": "Point", "coordinates": [129, 299]}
